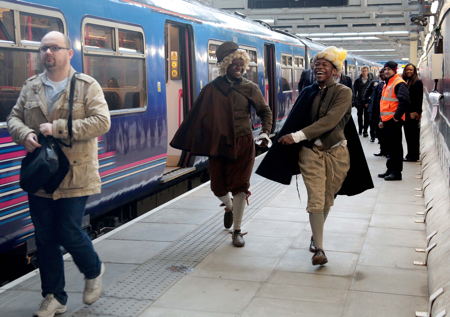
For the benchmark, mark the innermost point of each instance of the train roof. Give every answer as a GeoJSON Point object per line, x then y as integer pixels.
{"type": "Point", "coordinates": [197, 12]}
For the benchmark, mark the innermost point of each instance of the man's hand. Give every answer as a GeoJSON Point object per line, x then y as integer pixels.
{"type": "Point", "coordinates": [414, 115]}
{"type": "Point", "coordinates": [31, 142]}
{"type": "Point", "coordinates": [263, 140]}
{"type": "Point", "coordinates": [286, 139]}
{"type": "Point", "coordinates": [380, 124]}
{"type": "Point", "coordinates": [46, 129]}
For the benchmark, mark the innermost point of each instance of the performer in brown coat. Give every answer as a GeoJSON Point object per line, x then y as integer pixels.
{"type": "Point", "coordinates": [219, 126]}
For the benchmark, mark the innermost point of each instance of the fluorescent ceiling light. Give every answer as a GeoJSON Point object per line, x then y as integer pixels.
{"type": "Point", "coordinates": [405, 59]}
{"type": "Point", "coordinates": [434, 7]}
{"type": "Point", "coordinates": [374, 50]}
{"type": "Point", "coordinates": [354, 38]}
{"type": "Point", "coordinates": [270, 21]}
{"type": "Point", "coordinates": [353, 33]}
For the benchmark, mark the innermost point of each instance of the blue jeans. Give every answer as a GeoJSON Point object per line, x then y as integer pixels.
{"type": "Point", "coordinates": [58, 223]}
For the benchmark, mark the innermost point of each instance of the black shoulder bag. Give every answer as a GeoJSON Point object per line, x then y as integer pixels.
{"type": "Point", "coordinates": [47, 165]}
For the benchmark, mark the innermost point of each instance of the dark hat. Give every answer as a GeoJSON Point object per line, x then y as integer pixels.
{"type": "Point", "coordinates": [392, 65]}
{"type": "Point", "coordinates": [225, 49]}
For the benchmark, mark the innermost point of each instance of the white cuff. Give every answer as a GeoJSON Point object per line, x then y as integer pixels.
{"type": "Point", "coordinates": [298, 136]}
{"type": "Point", "coordinates": [264, 136]}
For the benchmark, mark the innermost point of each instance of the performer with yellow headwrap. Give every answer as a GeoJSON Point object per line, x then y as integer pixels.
{"type": "Point", "coordinates": [320, 141]}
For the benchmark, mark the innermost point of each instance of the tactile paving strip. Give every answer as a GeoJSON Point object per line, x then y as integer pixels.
{"type": "Point", "coordinates": [141, 287]}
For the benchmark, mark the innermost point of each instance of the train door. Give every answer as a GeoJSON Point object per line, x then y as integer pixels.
{"type": "Point", "coordinates": [179, 56]}
{"type": "Point", "coordinates": [270, 84]}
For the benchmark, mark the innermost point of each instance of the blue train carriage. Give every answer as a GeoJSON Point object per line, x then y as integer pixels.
{"type": "Point", "coordinates": [151, 62]}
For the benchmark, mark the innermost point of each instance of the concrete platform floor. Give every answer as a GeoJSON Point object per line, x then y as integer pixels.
{"type": "Point", "coordinates": [369, 240]}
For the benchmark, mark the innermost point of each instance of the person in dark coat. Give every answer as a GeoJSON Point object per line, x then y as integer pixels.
{"type": "Point", "coordinates": [372, 97]}
{"type": "Point", "coordinates": [219, 126]}
{"type": "Point", "coordinates": [318, 136]}
{"type": "Point", "coordinates": [306, 79]}
{"type": "Point", "coordinates": [345, 80]}
{"type": "Point", "coordinates": [359, 88]}
{"type": "Point", "coordinates": [412, 120]}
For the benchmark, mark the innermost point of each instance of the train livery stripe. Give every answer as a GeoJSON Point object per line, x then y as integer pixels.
{"type": "Point", "coordinates": [131, 165]}
{"type": "Point", "coordinates": [12, 155]}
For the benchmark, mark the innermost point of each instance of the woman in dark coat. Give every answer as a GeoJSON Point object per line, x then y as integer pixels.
{"type": "Point", "coordinates": [412, 121]}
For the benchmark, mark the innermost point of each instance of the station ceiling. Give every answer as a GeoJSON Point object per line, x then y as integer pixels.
{"type": "Point", "coordinates": [379, 30]}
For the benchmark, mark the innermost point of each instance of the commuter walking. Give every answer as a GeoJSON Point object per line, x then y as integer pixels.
{"type": "Point", "coordinates": [412, 119]}
{"type": "Point", "coordinates": [219, 126]}
{"type": "Point", "coordinates": [359, 88]}
{"type": "Point", "coordinates": [394, 104]}
{"type": "Point", "coordinates": [319, 140]}
{"type": "Point", "coordinates": [42, 107]}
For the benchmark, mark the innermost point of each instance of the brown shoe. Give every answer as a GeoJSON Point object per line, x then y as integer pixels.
{"type": "Point", "coordinates": [227, 218]}
{"type": "Point", "coordinates": [312, 246]}
{"type": "Point", "coordinates": [238, 238]}
{"type": "Point", "coordinates": [319, 258]}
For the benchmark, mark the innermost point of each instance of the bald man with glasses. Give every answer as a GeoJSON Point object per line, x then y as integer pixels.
{"type": "Point", "coordinates": [43, 108]}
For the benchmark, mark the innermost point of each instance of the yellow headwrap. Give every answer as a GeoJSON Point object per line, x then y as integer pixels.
{"type": "Point", "coordinates": [334, 55]}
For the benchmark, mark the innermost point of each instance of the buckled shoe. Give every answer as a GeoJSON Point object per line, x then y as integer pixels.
{"type": "Point", "coordinates": [238, 238]}
{"type": "Point", "coordinates": [93, 288]}
{"type": "Point", "coordinates": [50, 307]}
{"type": "Point", "coordinates": [319, 258]}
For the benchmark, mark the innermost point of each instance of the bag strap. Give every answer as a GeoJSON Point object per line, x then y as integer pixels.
{"type": "Point", "coordinates": [69, 120]}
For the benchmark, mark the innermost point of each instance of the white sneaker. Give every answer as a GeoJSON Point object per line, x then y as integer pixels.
{"type": "Point", "coordinates": [50, 307]}
{"type": "Point", "coordinates": [93, 288]}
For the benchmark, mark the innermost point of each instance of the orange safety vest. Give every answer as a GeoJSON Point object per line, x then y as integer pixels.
{"type": "Point", "coordinates": [389, 101]}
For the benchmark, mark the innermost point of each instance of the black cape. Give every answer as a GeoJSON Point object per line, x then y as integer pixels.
{"type": "Point", "coordinates": [281, 161]}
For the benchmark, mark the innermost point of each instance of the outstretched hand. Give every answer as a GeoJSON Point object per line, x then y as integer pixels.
{"type": "Point", "coordinates": [286, 139]}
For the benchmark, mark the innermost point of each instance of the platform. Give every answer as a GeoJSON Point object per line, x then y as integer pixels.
{"type": "Point", "coordinates": [177, 260]}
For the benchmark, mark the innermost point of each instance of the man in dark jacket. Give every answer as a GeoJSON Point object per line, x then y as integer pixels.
{"type": "Point", "coordinates": [306, 78]}
{"type": "Point", "coordinates": [372, 97]}
{"type": "Point", "coordinates": [359, 88]}
{"type": "Point", "coordinates": [218, 126]}
{"type": "Point", "coordinates": [314, 141]}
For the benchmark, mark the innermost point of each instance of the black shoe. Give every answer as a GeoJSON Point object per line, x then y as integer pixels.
{"type": "Point", "coordinates": [379, 154]}
{"type": "Point", "coordinates": [319, 258]}
{"type": "Point", "coordinates": [393, 177]}
{"type": "Point", "coordinates": [312, 246]}
{"type": "Point", "coordinates": [227, 218]}
{"type": "Point", "coordinates": [383, 175]}
{"type": "Point", "coordinates": [238, 238]}
{"type": "Point", "coordinates": [365, 134]}
{"type": "Point", "coordinates": [410, 159]}
{"type": "Point", "coordinates": [372, 140]}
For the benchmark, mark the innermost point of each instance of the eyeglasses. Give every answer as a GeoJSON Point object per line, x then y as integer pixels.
{"type": "Point", "coordinates": [53, 48]}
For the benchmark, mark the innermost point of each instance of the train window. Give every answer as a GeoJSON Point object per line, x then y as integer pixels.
{"type": "Point", "coordinates": [33, 27]}
{"type": "Point", "coordinates": [100, 37]}
{"type": "Point", "coordinates": [7, 25]}
{"type": "Point", "coordinates": [120, 69]}
{"type": "Point", "coordinates": [19, 57]}
{"type": "Point", "coordinates": [213, 70]}
{"type": "Point", "coordinates": [299, 65]}
{"type": "Point", "coordinates": [131, 41]}
{"type": "Point", "coordinates": [252, 71]}
{"type": "Point", "coordinates": [286, 73]}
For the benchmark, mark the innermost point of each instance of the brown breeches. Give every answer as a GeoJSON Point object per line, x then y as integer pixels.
{"type": "Point", "coordinates": [233, 175]}
{"type": "Point", "coordinates": [323, 173]}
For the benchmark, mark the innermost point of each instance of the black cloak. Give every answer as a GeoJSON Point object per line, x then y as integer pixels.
{"type": "Point", "coordinates": [281, 161]}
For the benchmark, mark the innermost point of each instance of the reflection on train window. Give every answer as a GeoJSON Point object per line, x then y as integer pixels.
{"type": "Point", "coordinates": [7, 25]}
{"type": "Point", "coordinates": [299, 65]}
{"type": "Point", "coordinates": [33, 27]}
{"type": "Point", "coordinates": [131, 41]}
{"type": "Point", "coordinates": [18, 61]}
{"type": "Point", "coordinates": [252, 71]}
{"type": "Point", "coordinates": [97, 36]}
{"type": "Point", "coordinates": [213, 70]}
{"type": "Point", "coordinates": [120, 69]}
{"type": "Point", "coordinates": [286, 73]}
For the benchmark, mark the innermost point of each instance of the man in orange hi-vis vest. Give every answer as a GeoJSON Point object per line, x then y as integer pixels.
{"type": "Point", "coordinates": [393, 105]}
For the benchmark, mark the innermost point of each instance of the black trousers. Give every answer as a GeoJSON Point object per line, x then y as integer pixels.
{"type": "Point", "coordinates": [412, 136]}
{"type": "Point", "coordinates": [363, 118]}
{"type": "Point", "coordinates": [392, 133]}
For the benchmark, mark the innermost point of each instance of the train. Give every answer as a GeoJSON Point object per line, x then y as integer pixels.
{"type": "Point", "coordinates": [152, 58]}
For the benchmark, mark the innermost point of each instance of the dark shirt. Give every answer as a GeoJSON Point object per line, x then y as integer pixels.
{"type": "Point", "coordinates": [416, 96]}
{"type": "Point", "coordinates": [359, 89]}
